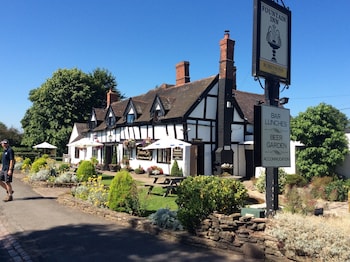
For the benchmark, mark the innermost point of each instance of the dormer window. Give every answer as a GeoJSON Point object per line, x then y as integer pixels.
{"type": "Point", "coordinates": [93, 122]}
{"type": "Point", "coordinates": [157, 110]}
{"type": "Point", "coordinates": [157, 113]}
{"type": "Point", "coordinates": [132, 112]}
{"type": "Point", "coordinates": [110, 120]}
{"type": "Point", "coordinates": [130, 117]}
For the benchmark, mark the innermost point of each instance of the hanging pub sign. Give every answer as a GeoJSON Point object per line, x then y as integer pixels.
{"type": "Point", "coordinates": [271, 136]}
{"type": "Point", "coordinates": [271, 41]}
{"type": "Point", "coordinates": [177, 153]}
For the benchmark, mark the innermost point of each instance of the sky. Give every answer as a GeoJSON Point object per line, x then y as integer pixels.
{"type": "Point", "coordinates": [140, 41]}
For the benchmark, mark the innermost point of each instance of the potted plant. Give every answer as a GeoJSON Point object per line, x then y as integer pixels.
{"type": "Point", "coordinates": [227, 168]}
{"type": "Point", "coordinates": [139, 170]}
{"type": "Point", "coordinates": [175, 170]}
{"type": "Point", "coordinates": [154, 170]}
{"type": "Point", "coordinates": [113, 166]}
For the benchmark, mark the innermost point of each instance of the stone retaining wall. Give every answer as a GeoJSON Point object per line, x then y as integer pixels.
{"type": "Point", "coordinates": [234, 232]}
{"type": "Point", "coordinates": [242, 234]}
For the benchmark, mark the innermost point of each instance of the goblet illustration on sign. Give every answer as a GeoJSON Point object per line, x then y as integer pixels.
{"type": "Point", "coordinates": [274, 39]}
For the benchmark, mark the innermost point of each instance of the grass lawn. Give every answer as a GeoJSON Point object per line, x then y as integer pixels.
{"type": "Point", "coordinates": [107, 179]}
{"type": "Point", "coordinates": [152, 202]}
{"type": "Point", "coordinates": [155, 200]}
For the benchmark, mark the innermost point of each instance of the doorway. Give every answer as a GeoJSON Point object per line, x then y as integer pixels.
{"type": "Point", "coordinates": [249, 164]}
{"type": "Point", "coordinates": [197, 159]}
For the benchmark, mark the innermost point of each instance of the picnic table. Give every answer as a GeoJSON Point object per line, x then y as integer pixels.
{"type": "Point", "coordinates": [170, 183]}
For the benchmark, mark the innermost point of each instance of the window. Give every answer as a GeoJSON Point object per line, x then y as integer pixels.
{"type": "Point", "coordinates": [130, 118]}
{"type": "Point", "coordinates": [128, 153]}
{"type": "Point", "coordinates": [94, 152]}
{"type": "Point", "coordinates": [164, 155]}
{"type": "Point", "coordinates": [156, 115]}
{"type": "Point", "coordinates": [92, 125]}
{"type": "Point", "coordinates": [76, 152]}
{"type": "Point", "coordinates": [110, 121]}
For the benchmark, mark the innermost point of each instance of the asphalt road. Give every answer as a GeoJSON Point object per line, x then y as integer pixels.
{"type": "Point", "coordinates": [35, 228]}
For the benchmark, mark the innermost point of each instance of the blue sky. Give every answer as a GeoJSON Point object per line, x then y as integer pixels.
{"type": "Point", "coordinates": [141, 41]}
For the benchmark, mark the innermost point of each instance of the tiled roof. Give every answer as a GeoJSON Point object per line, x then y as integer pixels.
{"type": "Point", "coordinates": [101, 127]}
{"type": "Point", "coordinates": [177, 100]}
{"type": "Point", "coordinates": [81, 129]}
{"type": "Point", "coordinates": [246, 102]}
{"type": "Point", "coordinates": [100, 113]}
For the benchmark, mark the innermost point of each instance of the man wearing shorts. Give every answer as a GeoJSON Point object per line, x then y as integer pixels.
{"type": "Point", "coordinates": [8, 164]}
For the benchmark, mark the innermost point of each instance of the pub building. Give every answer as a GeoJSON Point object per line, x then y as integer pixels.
{"type": "Point", "coordinates": [205, 125]}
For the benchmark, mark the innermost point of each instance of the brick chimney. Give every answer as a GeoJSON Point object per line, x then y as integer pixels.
{"type": "Point", "coordinates": [227, 68]}
{"type": "Point", "coordinates": [227, 83]}
{"type": "Point", "coordinates": [182, 73]}
{"type": "Point", "coordinates": [111, 97]}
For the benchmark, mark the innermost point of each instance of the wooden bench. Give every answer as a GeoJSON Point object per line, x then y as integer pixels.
{"type": "Point", "coordinates": [169, 188]}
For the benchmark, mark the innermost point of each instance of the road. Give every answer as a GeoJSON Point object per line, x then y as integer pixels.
{"type": "Point", "coordinates": [35, 228]}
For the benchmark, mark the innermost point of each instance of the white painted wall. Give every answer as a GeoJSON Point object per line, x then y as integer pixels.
{"type": "Point", "coordinates": [344, 168]}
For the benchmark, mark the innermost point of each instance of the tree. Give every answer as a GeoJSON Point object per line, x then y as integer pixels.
{"type": "Point", "coordinates": [11, 134]}
{"type": "Point", "coordinates": [67, 97]}
{"type": "Point", "coordinates": [102, 81]}
{"type": "Point", "coordinates": [321, 130]}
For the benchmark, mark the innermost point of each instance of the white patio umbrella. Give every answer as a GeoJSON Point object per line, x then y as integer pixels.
{"type": "Point", "coordinates": [45, 145]}
{"type": "Point", "coordinates": [167, 143]}
{"type": "Point", "coordinates": [47, 148]}
{"type": "Point", "coordinates": [84, 143]}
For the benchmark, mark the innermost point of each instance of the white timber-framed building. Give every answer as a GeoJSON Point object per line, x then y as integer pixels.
{"type": "Point", "coordinates": [210, 114]}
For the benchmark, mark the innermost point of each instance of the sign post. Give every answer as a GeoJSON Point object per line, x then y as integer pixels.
{"type": "Point", "coordinates": [271, 60]}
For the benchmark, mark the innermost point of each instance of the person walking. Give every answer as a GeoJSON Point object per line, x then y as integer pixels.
{"type": "Point", "coordinates": [8, 164]}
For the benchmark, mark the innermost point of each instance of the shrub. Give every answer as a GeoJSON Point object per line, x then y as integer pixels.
{"type": "Point", "coordinates": [81, 191]}
{"type": "Point", "coordinates": [94, 160]}
{"type": "Point", "coordinates": [26, 164]}
{"type": "Point", "coordinates": [66, 178]}
{"type": "Point", "coordinates": [298, 200]}
{"type": "Point", "coordinates": [64, 167]}
{"type": "Point", "coordinates": [314, 238]}
{"type": "Point", "coordinates": [175, 170]}
{"type": "Point", "coordinates": [337, 191]}
{"type": "Point", "coordinates": [318, 186]}
{"type": "Point", "coordinates": [123, 195]}
{"type": "Point", "coordinates": [114, 159]}
{"type": "Point", "coordinates": [165, 218]}
{"type": "Point", "coordinates": [92, 191]}
{"type": "Point", "coordinates": [85, 170]}
{"type": "Point", "coordinates": [41, 175]}
{"type": "Point", "coordinates": [200, 196]}
{"type": "Point", "coordinates": [139, 170]}
{"type": "Point", "coordinates": [296, 180]}
{"type": "Point", "coordinates": [260, 183]}
{"type": "Point", "coordinates": [38, 164]}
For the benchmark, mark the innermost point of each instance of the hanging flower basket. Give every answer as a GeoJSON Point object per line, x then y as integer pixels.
{"type": "Point", "coordinates": [130, 143]}
{"type": "Point", "coordinates": [146, 142]}
{"type": "Point", "coordinates": [125, 143]}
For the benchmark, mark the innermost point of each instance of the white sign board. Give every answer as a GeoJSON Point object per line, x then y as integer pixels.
{"type": "Point", "coordinates": [271, 40]}
{"type": "Point", "coordinates": [275, 137]}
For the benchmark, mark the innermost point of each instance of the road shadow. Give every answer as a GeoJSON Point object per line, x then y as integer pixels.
{"type": "Point", "coordinates": [108, 243]}
{"type": "Point", "coordinates": [33, 198]}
